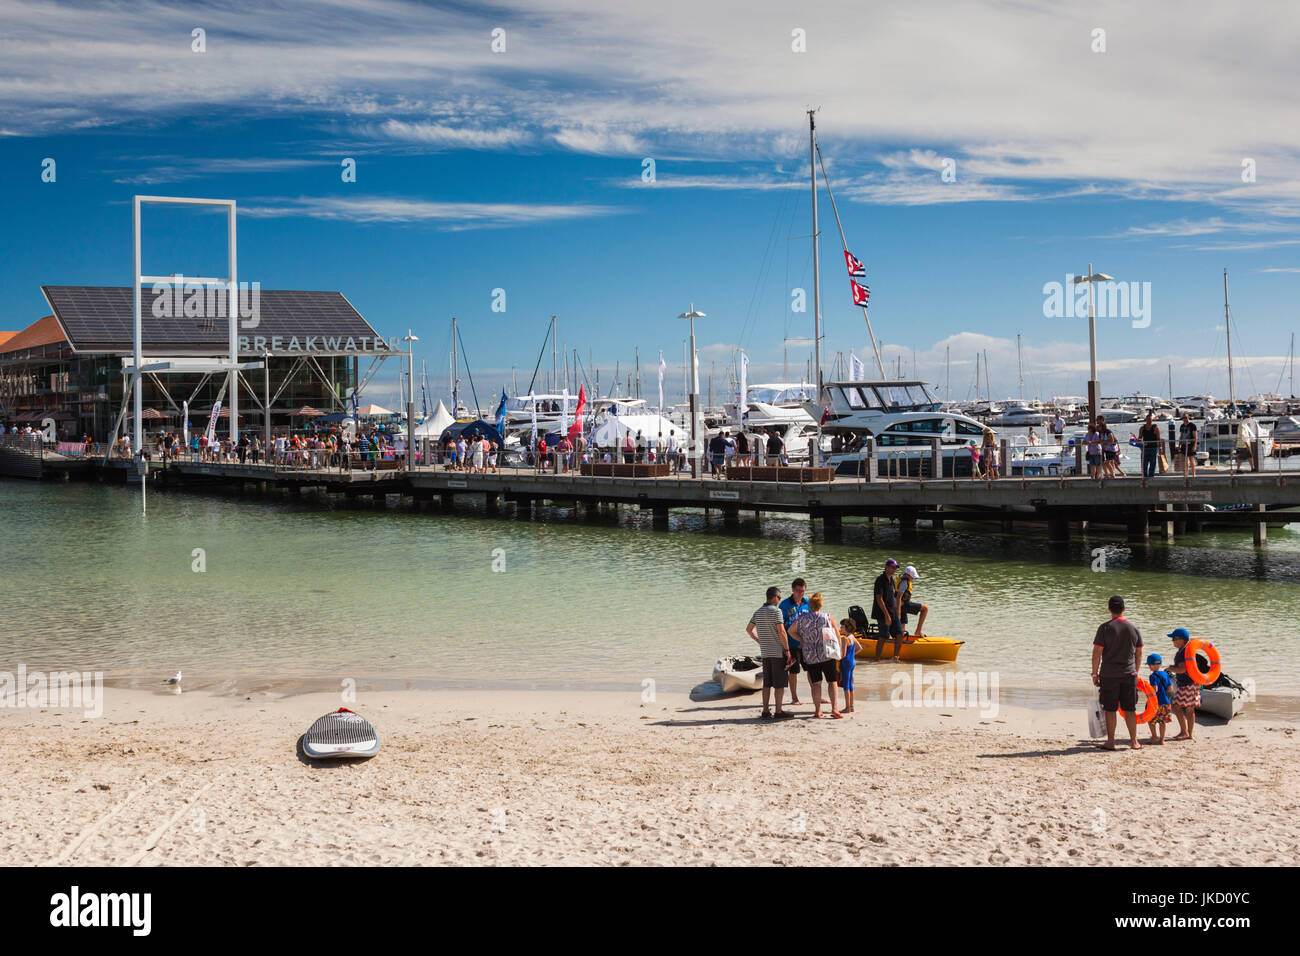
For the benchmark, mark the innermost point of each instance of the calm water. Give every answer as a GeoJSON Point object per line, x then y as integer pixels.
{"type": "Point", "coordinates": [314, 592]}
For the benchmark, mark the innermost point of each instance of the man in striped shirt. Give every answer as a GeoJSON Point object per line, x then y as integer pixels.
{"type": "Point", "coordinates": [768, 630]}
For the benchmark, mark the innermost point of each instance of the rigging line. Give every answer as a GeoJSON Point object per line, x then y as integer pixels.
{"type": "Point", "coordinates": [585, 379]}
{"type": "Point", "coordinates": [468, 373]}
{"type": "Point", "coordinates": [844, 242]}
{"type": "Point", "coordinates": [768, 250]}
{"type": "Point", "coordinates": [541, 352]}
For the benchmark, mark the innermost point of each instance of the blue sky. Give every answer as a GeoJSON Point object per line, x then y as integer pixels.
{"type": "Point", "coordinates": [522, 170]}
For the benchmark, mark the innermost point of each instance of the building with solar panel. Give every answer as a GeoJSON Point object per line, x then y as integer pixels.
{"type": "Point", "coordinates": [73, 365]}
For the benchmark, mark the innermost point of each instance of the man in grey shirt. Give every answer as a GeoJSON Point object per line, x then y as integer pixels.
{"type": "Point", "coordinates": [1116, 657]}
{"type": "Point", "coordinates": [767, 628]}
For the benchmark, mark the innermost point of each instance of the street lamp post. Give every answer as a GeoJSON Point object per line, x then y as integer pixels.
{"type": "Point", "coordinates": [692, 315]}
{"type": "Point", "coordinates": [410, 338]}
{"type": "Point", "coordinates": [1091, 278]}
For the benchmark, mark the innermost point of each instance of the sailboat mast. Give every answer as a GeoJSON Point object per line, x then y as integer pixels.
{"type": "Point", "coordinates": [455, 371]}
{"type": "Point", "coordinates": [554, 354]}
{"type": "Point", "coordinates": [1020, 364]}
{"type": "Point", "coordinates": [987, 387]}
{"type": "Point", "coordinates": [1227, 324]}
{"type": "Point", "coordinates": [947, 374]}
{"type": "Point", "coordinates": [814, 457]}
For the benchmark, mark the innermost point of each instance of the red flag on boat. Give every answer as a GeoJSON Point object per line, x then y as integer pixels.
{"type": "Point", "coordinates": [826, 414]}
{"type": "Point", "coordinates": [861, 293]}
{"type": "Point", "coordinates": [576, 428]}
{"type": "Point", "coordinates": [856, 268]}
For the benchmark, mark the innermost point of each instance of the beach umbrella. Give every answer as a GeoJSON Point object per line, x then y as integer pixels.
{"type": "Point", "coordinates": [306, 412]}
{"type": "Point", "coordinates": [374, 410]}
{"type": "Point", "coordinates": [152, 414]}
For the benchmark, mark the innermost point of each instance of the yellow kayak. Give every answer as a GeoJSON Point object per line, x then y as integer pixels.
{"type": "Point", "coordinates": [926, 648]}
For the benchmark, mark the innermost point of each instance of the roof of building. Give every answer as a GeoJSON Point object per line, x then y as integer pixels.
{"type": "Point", "coordinates": [41, 332]}
{"type": "Point", "coordinates": [99, 319]}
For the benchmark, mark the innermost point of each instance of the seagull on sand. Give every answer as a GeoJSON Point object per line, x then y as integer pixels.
{"type": "Point", "coordinates": [174, 680]}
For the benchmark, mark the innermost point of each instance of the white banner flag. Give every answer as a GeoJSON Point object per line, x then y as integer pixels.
{"type": "Point", "coordinates": [564, 411]}
{"type": "Point", "coordinates": [532, 402]}
{"type": "Point", "coordinates": [662, 367]}
{"type": "Point", "coordinates": [185, 424]}
{"type": "Point", "coordinates": [857, 371]}
{"type": "Point", "coordinates": [211, 432]}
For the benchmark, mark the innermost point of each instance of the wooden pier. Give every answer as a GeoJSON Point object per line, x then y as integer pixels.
{"type": "Point", "coordinates": [1164, 506]}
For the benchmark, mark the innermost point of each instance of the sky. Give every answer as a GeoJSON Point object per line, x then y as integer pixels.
{"type": "Point", "coordinates": [613, 164]}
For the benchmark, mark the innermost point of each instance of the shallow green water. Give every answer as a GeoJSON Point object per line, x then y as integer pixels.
{"type": "Point", "coordinates": [309, 591]}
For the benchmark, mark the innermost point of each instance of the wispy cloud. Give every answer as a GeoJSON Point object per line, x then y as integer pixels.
{"type": "Point", "coordinates": [448, 215]}
{"type": "Point", "coordinates": [441, 135]}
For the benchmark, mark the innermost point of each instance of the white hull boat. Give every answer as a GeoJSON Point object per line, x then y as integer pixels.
{"type": "Point", "coordinates": [739, 674]}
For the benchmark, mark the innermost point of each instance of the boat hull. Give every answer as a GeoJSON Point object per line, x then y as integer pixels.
{"type": "Point", "coordinates": [733, 681]}
{"type": "Point", "coordinates": [922, 649]}
{"type": "Point", "coordinates": [1222, 702]}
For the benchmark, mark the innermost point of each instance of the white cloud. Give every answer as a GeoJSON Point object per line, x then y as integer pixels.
{"type": "Point", "coordinates": [451, 215]}
{"type": "Point", "coordinates": [1183, 96]}
{"type": "Point", "coordinates": [451, 137]}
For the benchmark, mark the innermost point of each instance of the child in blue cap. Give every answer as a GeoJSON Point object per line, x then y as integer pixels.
{"type": "Point", "coordinates": [1161, 682]}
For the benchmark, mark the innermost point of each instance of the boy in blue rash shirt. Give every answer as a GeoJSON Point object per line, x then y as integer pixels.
{"type": "Point", "coordinates": [1162, 683]}
{"type": "Point", "coordinates": [791, 608]}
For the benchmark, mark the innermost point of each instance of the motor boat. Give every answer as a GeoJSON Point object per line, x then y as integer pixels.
{"type": "Point", "coordinates": [1022, 415]}
{"type": "Point", "coordinates": [1224, 437]}
{"type": "Point", "coordinates": [903, 443]}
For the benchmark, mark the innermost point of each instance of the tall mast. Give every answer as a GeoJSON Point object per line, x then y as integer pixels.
{"type": "Point", "coordinates": [1227, 323]}
{"type": "Point", "coordinates": [947, 373]}
{"type": "Point", "coordinates": [1021, 366]}
{"type": "Point", "coordinates": [638, 370]}
{"type": "Point", "coordinates": [1293, 365]}
{"type": "Point", "coordinates": [455, 371]}
{"type": "Point", "coordinates": [814, 457]}
{"type": "Point", "coordinates": [554, 352]}
{"type": "Point", "coordinates": [987, 387]}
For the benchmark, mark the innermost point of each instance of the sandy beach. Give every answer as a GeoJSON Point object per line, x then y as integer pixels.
{"type": "Point", "coordinates": [544, 777]}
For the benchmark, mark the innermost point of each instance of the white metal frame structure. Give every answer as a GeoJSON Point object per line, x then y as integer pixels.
{"type": "Point", "coordinates": [232, 309]}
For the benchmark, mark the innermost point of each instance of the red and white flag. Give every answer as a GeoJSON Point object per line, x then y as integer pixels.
{"type": "Point", "coordinates": [576, 428]}
{"type": "Point", "coordinates": [861, 293]}
{"type": "Point", "coordinates": [856, 268]}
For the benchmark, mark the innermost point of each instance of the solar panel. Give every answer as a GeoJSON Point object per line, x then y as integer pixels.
{"type": "Point", "coordinates": [98, 319]}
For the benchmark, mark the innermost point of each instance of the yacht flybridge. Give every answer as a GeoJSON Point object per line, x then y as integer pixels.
{"type": "Point", "coordinates": [857, 405]}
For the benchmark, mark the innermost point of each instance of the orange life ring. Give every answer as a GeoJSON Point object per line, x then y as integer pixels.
{"type": "Point", "coordinates": [1145, 687]}
{"type": "Point", "coordinates": [1194, 669]}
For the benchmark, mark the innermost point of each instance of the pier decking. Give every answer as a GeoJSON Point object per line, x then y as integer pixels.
{"type": "Point", "coordinates": [1165, 504]}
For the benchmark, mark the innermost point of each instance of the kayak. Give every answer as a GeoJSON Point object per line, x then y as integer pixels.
{"type": "Point", "coordinates": [1224, 698]}
{"type": "Point", "coordinates": [928, 648]}
{"type": "Point", "coordinates": [739, 674]}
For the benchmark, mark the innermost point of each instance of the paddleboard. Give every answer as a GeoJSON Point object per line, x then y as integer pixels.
{"type": "Point", "coordinates": [341, 734]}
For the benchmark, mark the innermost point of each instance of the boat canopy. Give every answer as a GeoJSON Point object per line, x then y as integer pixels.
{"type": "Point", "coordinates": [613, 428]}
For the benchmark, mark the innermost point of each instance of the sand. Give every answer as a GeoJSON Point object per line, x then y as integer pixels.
{"type": "Point", "coordinates": [546, 777]}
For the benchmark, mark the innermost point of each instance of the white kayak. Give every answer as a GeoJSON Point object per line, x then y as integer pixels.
{"type": "Point", "coordinates": [739, 674]}
{"type": "Point", "coordinates": [1223, 701]}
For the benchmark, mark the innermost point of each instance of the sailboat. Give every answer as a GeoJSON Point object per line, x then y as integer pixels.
{"type": "Point", "coordinates": [1233, 434]}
